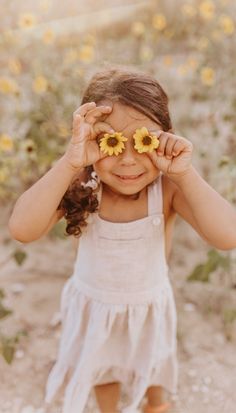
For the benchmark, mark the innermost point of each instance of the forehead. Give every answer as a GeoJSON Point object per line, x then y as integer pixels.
{"type": "Point", "coordinates": [126, 119]}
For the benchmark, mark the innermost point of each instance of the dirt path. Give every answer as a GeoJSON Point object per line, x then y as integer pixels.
{"type": "Point", "coordinates": [207, 364]}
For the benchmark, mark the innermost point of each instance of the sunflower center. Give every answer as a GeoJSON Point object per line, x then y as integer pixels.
{"type": "Point", "coordinates": [147, 140]}
{"type": "Point", "coordinates": [112, 141]}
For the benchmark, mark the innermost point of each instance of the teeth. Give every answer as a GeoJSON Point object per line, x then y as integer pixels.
{"type": "Point", "coordinates": [128, 176]}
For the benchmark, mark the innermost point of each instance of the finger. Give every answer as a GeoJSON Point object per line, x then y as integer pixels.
{"type": "Point", "coordinates": [169, 147]}
{"type": "Point", "coordinates": [93, 115]}
{"type": "Point", "coordinates": [101, 128]}
{"type": "Point", "coordinates": [179, 146]}
{"type": "Point", "coordinates": [161, 148]}
{"type": "Point", "coordinates": [83, 109]}
{"type": "Point", "coordinates": [77, 120]}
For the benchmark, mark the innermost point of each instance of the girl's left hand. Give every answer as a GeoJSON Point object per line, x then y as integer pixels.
{"type": "Point", "coordinates": [174, 154]}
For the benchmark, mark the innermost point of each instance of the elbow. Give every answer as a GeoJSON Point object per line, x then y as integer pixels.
{"type": "Point", "coordinates": [16, 233]}
{"type": "Point", "coordinates": [12, 229]}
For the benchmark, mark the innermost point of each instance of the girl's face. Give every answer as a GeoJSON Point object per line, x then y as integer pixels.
{"type": "Point", "coordinates": [129, 172]}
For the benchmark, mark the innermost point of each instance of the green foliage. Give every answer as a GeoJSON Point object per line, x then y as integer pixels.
{"type": "Point", "coordinates": [19, 256]}
{"type": "Point", "coordinates": [58, 231]}
{"type": "Point", "coordinates": [4, 312]}
{"type": "Point", "coordinates": [215, 260]}
{"type": "Point", "coordinates": [8, 345]}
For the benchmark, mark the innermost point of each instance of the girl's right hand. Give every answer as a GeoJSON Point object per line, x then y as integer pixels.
{"type": "Point", "coordinates": [83, 149]}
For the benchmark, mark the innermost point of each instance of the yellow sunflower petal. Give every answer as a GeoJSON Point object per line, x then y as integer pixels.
{"type": "Point", "coordinates": [116, 147]}
{"type": "Point", "coordinates": [142, 147]}
{"type": "Point", "coordinates": [144, 131]}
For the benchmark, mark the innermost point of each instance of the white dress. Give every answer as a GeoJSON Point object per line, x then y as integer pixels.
{"type": "Point", "coordinates": [118, 312]}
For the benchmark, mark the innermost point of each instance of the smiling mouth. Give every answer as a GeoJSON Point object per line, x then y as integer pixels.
{"type": "Point", "coordinates": [129, 177]}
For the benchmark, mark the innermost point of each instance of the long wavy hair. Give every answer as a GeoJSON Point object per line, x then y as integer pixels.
{"type": "Point", "coordinates": [131, 87]}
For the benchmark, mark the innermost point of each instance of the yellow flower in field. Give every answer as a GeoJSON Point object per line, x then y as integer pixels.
{"type": "Point", "coordinates": [48, 36]}
{"type": "Point", "coordinates": [207, 76]}
{"type": "Point", "coordinates": [207, 9]}
{"type": "Point", "coordinates": [226, 24]}
{"type": "Point", "coordinates": [8, 86]}
{"type": "Point", "coordinates": [27, 21]}
{"type": "Point", "coordinates": [138, 28]}
{"type": "Point", "coordinates": [159, 22]}
{"type": "Point", "coordinates": [40, 84]}
{"type": "Point", "coordinates": [189, 10]}
{"type": "Point", "coordinates": [112, 144]}
{"type": "Point", "coordinates": [6, 143]}
{"type": "Point", "coordinates": [144, 141]}
{"type": "Point", "coordinates": [28, 145]}
{"type": "Point", "coordinates": [15, 66]}
{"type": "Point", "coordinates": [86, 53]}
{"type": "Point", "coordinates": [146, 54]}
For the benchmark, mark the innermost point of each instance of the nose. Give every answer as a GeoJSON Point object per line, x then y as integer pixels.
{"type": "Point", "coordinates": [129, 154]}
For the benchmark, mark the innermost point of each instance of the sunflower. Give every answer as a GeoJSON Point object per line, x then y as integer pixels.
{"type": "Point", "coordinates": [112, 144]}
{"type": "Point", "coordinates": [144, 141]}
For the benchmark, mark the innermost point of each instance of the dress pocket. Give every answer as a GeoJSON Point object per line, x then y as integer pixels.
{"type": "Point", "coordinates": [124, 262]}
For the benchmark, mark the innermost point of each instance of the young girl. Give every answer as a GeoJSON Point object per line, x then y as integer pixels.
{"type": "Point", "coordinates": [122, 180]}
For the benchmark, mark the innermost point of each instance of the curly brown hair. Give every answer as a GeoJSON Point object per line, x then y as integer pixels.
{"type": "Point", "coordinates": [131, 87]}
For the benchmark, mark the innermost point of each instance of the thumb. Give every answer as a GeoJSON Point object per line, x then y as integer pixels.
{"type": "Point", "coordinates": [154, 157]}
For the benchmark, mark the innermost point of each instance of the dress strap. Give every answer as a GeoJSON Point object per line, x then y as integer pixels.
{"type": "Point", "coordinates": [155, 197]}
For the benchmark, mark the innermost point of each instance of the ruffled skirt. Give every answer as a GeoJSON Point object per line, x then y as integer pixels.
{"type": "Point", "coordinates": [109, 336]}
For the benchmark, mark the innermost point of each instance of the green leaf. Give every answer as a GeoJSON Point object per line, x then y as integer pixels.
{"type": "Point", "coordinates": [19, 256]}
{"type": "Point", "coordinates": [199, 274]}
{"type": "Point", "coordinates": [8, 345]}
{"type": "Point", "coordinates": [202, 271]}
{"type": "Point", "coordinates": [8, 353]}
{"type": "Point", "coordinates": [4, 312]}
{"type": "Point", "coordinates": [59, 229]}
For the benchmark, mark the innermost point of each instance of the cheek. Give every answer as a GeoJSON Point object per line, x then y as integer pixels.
{"type": "Point", "coordinates": [104, 165]}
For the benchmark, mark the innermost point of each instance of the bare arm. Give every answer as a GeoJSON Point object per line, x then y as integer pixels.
{"type": "Point", "coordinates": [35, 211]}
{"type": "Point", "coordinates": [206, 210]}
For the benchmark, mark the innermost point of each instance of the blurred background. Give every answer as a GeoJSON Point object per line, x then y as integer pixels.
{"type": "Point", "coordinates": [48, 51]}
